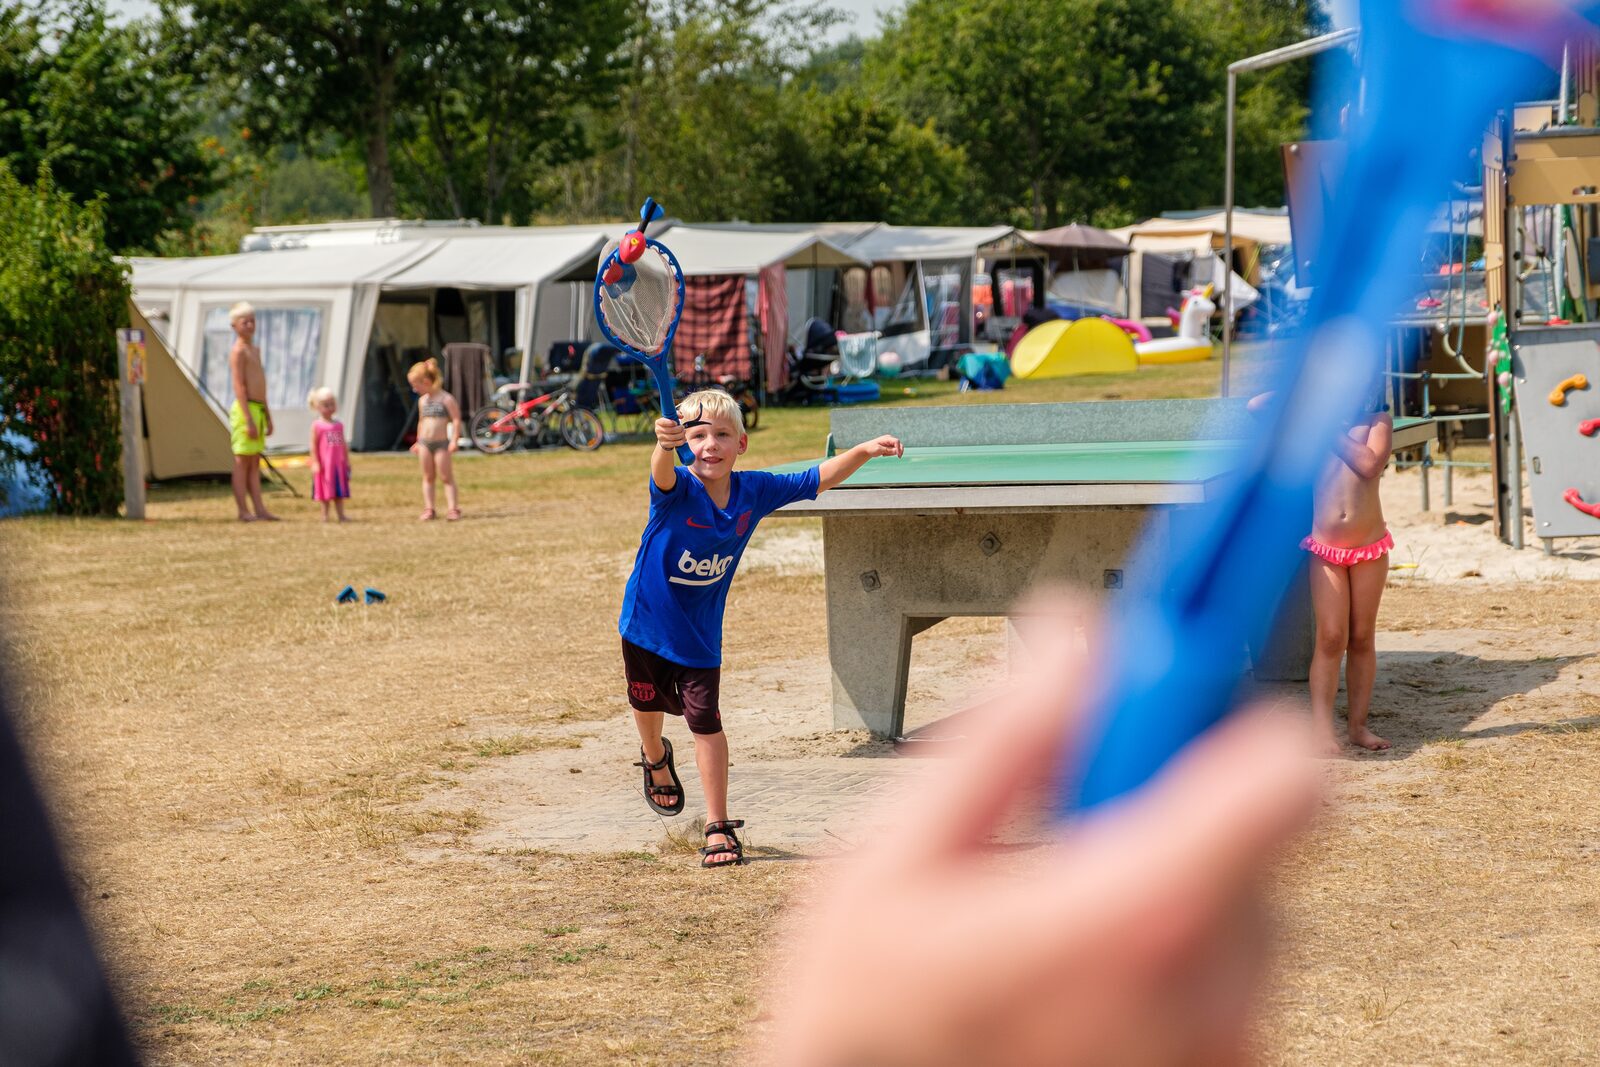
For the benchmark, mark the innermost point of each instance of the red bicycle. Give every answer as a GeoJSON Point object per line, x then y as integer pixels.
{"type": "Point", "coordinates": [549, 419]}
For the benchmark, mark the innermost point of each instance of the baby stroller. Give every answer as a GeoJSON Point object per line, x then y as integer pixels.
{"type": "Point", "coordinates": [811, 365]}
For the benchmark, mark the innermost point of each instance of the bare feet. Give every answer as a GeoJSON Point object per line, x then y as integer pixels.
{"type": "Point", "coordinates": [426, 516]}
{"type": "Point", "coordinates": [1327, 746]}
{"type": "Point", "coordinates": [245, 516]}
{"type": "Point", "coordinates": [1360, 735]}
{"type": "Point", "coordinates": [266, 516]}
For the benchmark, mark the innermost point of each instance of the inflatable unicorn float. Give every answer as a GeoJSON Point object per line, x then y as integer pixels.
{"type": "Point", "coordinates": [1193, 341]}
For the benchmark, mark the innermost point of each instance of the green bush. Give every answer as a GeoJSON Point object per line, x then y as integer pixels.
{"type": "Point", "coordinates": [62, 297]}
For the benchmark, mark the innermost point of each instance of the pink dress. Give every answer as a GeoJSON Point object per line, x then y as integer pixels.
{"type": "Point", "coordinates": [332, 481]}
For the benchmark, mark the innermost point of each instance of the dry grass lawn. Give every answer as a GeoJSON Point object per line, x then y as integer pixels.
{"type": "Point", "coordinates": [240, 769]}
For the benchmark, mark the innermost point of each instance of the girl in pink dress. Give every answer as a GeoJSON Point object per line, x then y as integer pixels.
{"type": "Point", "coordinates": [330, 460]}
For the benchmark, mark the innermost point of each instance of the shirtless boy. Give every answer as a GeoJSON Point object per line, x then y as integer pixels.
{"type": "Point", "coordinates": [248, 418]}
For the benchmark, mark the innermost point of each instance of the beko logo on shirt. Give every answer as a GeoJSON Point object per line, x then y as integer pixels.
{"type": "Point", "coordinates": [709, 571]}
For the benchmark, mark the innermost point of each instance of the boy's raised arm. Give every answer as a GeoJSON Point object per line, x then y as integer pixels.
{"type": "Point", "coordinates": [836, 470]}
{"type": "Point", "coordinates": [664, 458]}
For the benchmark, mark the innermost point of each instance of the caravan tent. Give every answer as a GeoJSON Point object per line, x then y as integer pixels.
{"type": "Point", "coordinates": [1175, 253]}
{"type": "Point", "coordinates": [737, 293]}
{"type": "Point", "coordinates": [323, 312]}
{"type": "Point", "coordinates": [1087, 266]}
{"type": "Point", "coordinates": [919, 293]}
{"type": "Point", "coordinates": [185, 432]}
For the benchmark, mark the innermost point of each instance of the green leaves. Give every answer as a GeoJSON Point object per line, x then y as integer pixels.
{"type": "Point", "coordinates": [110, 111]}
{"type": "Point", "coordinates": [62, 297]}
{"type": "Point", "coordinates": [1094, 109]}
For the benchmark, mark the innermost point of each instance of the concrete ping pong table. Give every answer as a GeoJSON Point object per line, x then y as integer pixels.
{"type": "Point", "coordinates": [993, 500]}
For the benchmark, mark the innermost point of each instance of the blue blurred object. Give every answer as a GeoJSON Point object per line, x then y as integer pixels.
{"type": "Point", "coordinates": [23, 488]}
{"type": "Point", "coordinates": [1435, 71]}
{"type": "Point", "coordinates": [374, 596]}
{"type": "Point", "coordinates": [983, 370]}
{"type": "Point", "coordinates": [850, 392]}
{"type": "Point", "coordinates": [347, 595]}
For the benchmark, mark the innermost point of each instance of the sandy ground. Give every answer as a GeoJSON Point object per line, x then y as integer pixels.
{"type": "Point", "coordinates": [1456, 543]}
{"type": "Point", "coordinates": [411, 834]}
{"type": "Point", "coordinates": [804, 788]}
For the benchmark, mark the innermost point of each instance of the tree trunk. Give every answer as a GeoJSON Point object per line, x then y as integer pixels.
{"type": "Point", "coordinates": [380, 172]}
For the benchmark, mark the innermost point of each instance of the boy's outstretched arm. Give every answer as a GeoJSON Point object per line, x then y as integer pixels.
{"type": "Point", "coordinates": [664, 459]}
{"type": "Point", "coordinates": [835, 470]}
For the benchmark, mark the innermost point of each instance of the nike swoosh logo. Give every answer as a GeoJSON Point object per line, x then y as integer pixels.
{"type": "Point", "coordinates": [696, 525]}
{"type": "Point", "coordinates": [687, 581]}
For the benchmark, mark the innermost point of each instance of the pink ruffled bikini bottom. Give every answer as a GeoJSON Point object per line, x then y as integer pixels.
{"type": "Point", "coordinates": [1348, 557]}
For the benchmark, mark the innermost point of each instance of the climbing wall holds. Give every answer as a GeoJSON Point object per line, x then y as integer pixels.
{"type": "Point", "coordinates": [1558, 395]}
{"type": "Point", "coordinates": [1572, 497]}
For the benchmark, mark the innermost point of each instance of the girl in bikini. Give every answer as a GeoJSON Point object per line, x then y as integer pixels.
{"type": "Point", "coordinates": [1349, 546]}
{"type": "Point", "coordinates": [438, 428]}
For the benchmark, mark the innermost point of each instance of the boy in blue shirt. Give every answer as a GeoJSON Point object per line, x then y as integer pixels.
{"type": "Point", "coordinates": [701, 518]}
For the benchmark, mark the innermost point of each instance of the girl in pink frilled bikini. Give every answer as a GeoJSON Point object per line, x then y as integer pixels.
{"type": "Point", "coordinates": [330, 460]}
{"type": "Point", "coordinates": [1349, 546]}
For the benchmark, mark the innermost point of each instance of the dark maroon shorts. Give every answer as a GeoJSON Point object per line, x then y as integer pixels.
{"type": "Point", "coordinates": [658, 684]}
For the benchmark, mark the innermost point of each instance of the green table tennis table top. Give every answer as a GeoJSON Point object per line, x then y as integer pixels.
{"type": "Point", "coordinates": [1084, 463]}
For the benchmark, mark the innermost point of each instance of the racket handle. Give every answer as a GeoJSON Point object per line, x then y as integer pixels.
{"type": "Point", "coordinates": [669, 410]}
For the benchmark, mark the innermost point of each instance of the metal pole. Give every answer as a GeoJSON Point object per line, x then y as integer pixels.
{"type": "Point", "coordinates": [1566, 81]}
{"type": "Point", "coordinates": [1227, 236]}
{"type": "Point", "coordinates": [1516, 474]}
{"type": "Point", "coordinates": [130, 378]}
{"type": "Point", "coordinates": [1262, 61]}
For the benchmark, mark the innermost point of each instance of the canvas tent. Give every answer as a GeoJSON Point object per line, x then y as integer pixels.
{"type": "Point", "coordinates": [185, 432]}
{"type": "Point", "coordinates": [919, 292]}
{"type": "Point", "coordinates": [1179, 250]}
{"type": "Point", "coordinates": [1087, 264]}
{"type": "Point", "coordinates": [325, 312]}
{"type": "Point", "coordinates": [738, 286]}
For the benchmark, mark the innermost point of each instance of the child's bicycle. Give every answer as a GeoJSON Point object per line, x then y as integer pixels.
{"type": "Point", "coordinates": [549, 419]}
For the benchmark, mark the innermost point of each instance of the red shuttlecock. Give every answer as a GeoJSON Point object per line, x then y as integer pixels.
{"type": "Point", "coordinates": [632, 247]}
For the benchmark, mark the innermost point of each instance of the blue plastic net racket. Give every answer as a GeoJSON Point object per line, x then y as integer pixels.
{"type": "Point", "coordinates": [638, 299]}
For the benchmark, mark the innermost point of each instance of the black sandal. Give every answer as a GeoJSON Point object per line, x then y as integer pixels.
{"type": "Point", "coordinates": [674, 790]}
{"type": "Point", "coordinates": [732, 844]}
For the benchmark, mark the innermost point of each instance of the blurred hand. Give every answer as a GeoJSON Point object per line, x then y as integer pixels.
{"type": "Point", "coordinates": [1137, 938]}
{"type": "Point", "coordinates": [250, 429]}
{"type": "Point", "coordinates": [452, 446]}
{"type": "Point", "coordinates": [883, 446]}
{"type": "Point", "coordinates": [269, 424]}
{"type": "Point", "coordinates": [670, 434]}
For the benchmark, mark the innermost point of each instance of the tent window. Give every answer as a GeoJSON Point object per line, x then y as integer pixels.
{"type": "Point", "coordinates": [948, 286]}
{"type": "Point", "coordinates": [855, 315]}
{"type": "Point", "coordinates": [290, 339]}
{"type": "Point", "coordinates": [903, 315]}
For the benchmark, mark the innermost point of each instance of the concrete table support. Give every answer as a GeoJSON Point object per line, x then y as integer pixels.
{"type": "Point", "coordinates": [890, 577]}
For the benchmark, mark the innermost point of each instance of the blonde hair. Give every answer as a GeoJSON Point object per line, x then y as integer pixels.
{"type": "Point", "coordinates": [710, 403]}
{"type": "Point", "coordinates": [240, 310]}
{"type": "Point", "coordinates": [429, 369]}
{"type": "Point", "coordinates": [318, 395]}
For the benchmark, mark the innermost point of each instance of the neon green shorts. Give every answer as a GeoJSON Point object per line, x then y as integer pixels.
{"type": "Point", "coordinates": [243, 443]}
